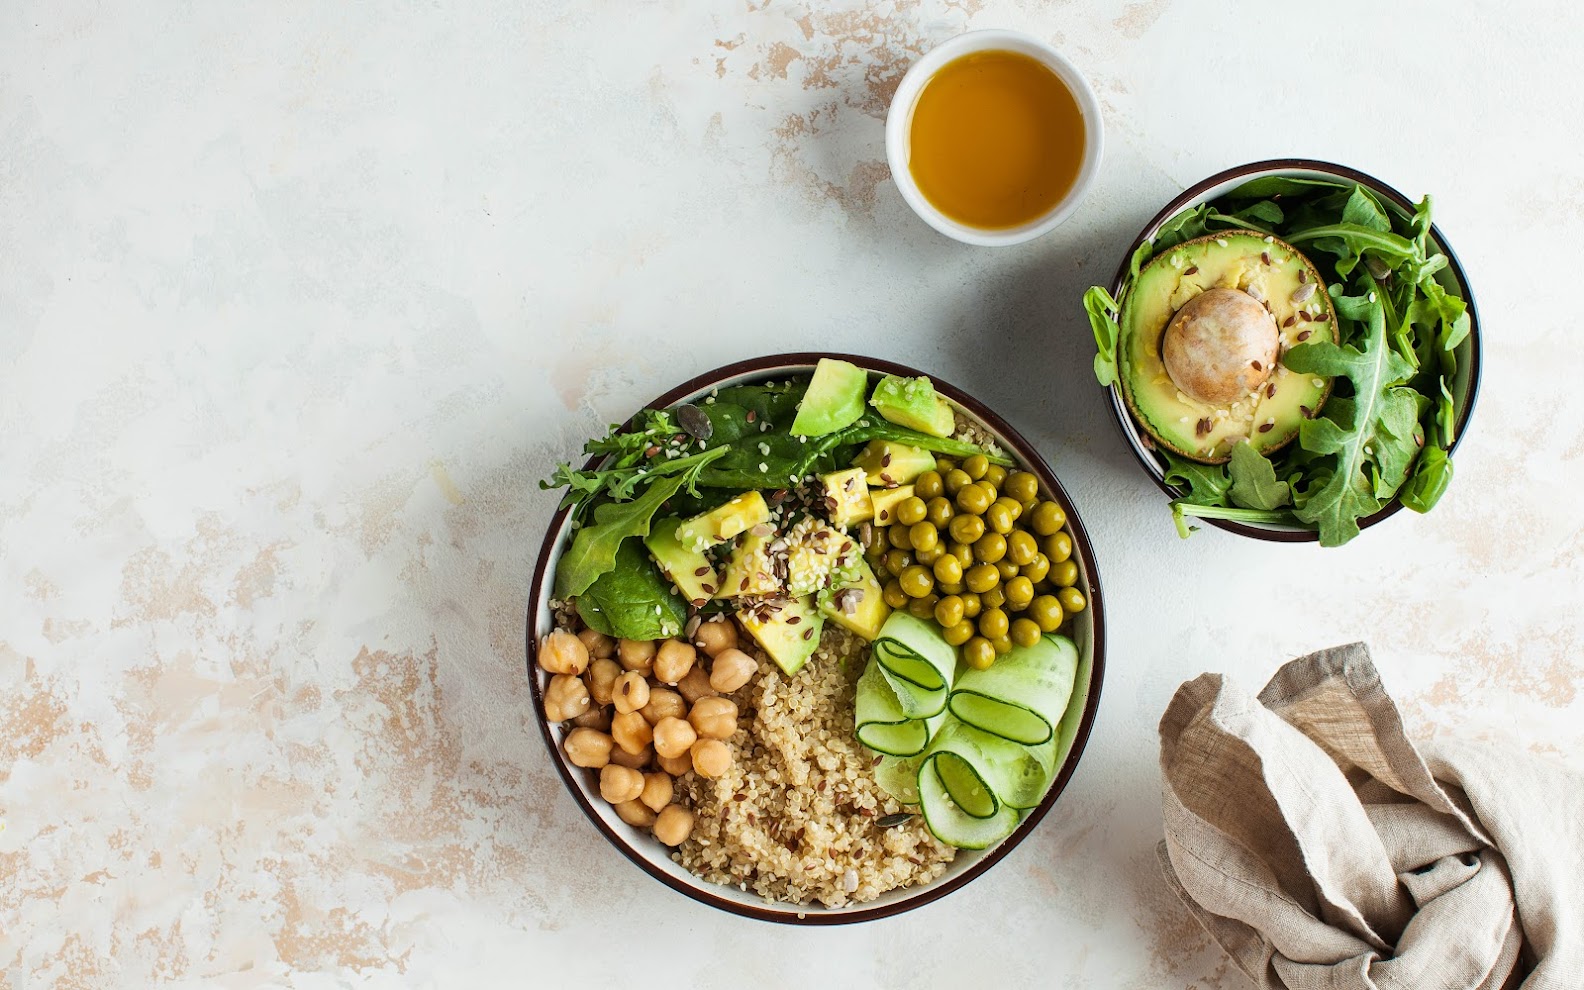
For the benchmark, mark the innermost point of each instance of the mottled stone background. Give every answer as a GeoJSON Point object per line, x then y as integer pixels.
{"type": "Point", "coordinates": [299, 299]}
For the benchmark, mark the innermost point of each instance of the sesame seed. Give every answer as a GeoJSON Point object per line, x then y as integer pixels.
{"type": "Point", "coordinates": [1317, 382]}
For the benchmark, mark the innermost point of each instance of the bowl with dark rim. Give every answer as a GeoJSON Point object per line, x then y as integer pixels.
{"type": "Point", "coordinates": [648, 854]}
{"type": "Point", "coordinates": [1465, 384]}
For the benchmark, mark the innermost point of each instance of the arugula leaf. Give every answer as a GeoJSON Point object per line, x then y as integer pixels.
{"type": "Point", "coordinates": [1207, 484]}
{"type": "Point", "coordinates": [1375, 427]}
{"type": "Point", "coordinates": [1431, 476]}
{"type": "Point", "coordinates": [1364, 210]}
{"type": "Point", "coordinates": [1393, 249]}
{"type": "Point", "coordinates": [1102, 310]}
{"type": "Point", "coordinates": [632, 600]}
{"type": "Point", "coordinates": [1254, 483]}
{"type": "Point", "coordinates": [1267, 186]}
{"type": "Point", "coordinates": [595, 548]}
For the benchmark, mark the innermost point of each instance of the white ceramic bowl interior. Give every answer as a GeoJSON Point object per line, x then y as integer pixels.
{"type": "Point", "coordinates": [899, 124]}
{"type": "Point", "coordinates": [641, 845]}
{"type": "Point", "coordinates": [1464, 382]}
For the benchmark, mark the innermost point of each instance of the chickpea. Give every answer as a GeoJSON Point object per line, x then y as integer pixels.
{"type": "Point", "coordinates": [635, 813]}
{"type": "Point", "coordinates": [632, 692]}
{"type": "Point", "coordinates": [563, 653]}
{"type": "Point", "coordinates": [695, 685]}
{"type": "Point", "coordinates": [565, 698]}
{"type": "Point", "coordinates": [673, 825]}
{"type": "Point", "coordinates": [673, 660]}
{"type": "Point", "coordinates": [636, 654]}
{"type": "Point", "coordinates": [673, 736]}
{"type": "Point", "coordinates": [599, 645]}
{"type": "Point", "coordinates": [676, 766]}
{"type": "Point", "coordinates": [664, 703]}
{"type": "Point", "coordinates": [716, 635]}
{"type": "Point", "coordinates": [636, 761]}
{"type": "Point", "coordinates": [714, 717]}
{"type": "Point", "coordinates": [657, 790]}
{"type": "Point", "coordinates": [618, 784]}
{"type": "Point", "coordinates": [731, 670]}
{"type": "Point", "coordinates": [597, 717]}
{"type": "Point", "coordinates": [602, 676]}
{"type": "Point", "coordinates": [631, 732]}
{"type": "Point", "coordinates": [587, 748]}
{"type": "Point", "coordinates": [711, 758]}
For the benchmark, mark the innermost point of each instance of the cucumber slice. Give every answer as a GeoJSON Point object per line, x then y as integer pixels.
{"type": "Point", "coordinates": [964, 785]}
{"type": "Point", "coordinates": [1012, 773]}
{"type": "Point", "coordinates": [918, 664]}
{"type": "Point", "coordinates": [881, 724]}
{"type": "Point", "coordinates": [898, 777]}
{"type": "Point", "coordinates": [948, 822]}
{"type": "Point", "coordinates": [1023, 695]}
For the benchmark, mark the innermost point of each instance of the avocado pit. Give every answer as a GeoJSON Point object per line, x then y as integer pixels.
{"type": "Point", "coordinates": [1220, 345]}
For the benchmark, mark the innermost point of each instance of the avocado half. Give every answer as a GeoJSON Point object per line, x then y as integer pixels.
{"type": "Point", "coordinates": [1203, 331]}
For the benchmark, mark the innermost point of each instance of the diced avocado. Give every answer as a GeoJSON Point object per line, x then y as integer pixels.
{"type": "Point", "coordinates": [818, 556]}
{"type": "Point", "coordinates": [835, 399]}
{"type": "Point", "coordinates": [749, 573]}
{"type": "Point", "coordinates": [885, 502]}
{"type": "Point", "coordinates": [913, 403]}
{"type": "Point", "coordinates": [723, 522]}
{"type": "Point", "coordinates": [850, 490]}
{"type": "Point", "coordinates": [684, 567]}
{"type": "Point", "coordinates": [1202, 331]}
{"type": "Point", "coordinates": [863, 595]}
{"type": "Point", "coordinates": [886, 462]}
{"type": "Point", "coordinates": [790, 636]}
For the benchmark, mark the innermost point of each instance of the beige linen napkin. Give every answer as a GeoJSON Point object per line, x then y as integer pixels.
{"type": "Point", "coordinates": [1325, 851]}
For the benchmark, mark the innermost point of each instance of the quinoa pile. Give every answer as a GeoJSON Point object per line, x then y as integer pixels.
{"type": "Point", "coordinates": [795, 818]}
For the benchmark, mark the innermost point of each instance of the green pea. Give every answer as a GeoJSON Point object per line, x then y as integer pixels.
{"type": "Point", "coordinates": [990, 548]}
{"type": "Point", "coordinates": [956, 480]}
{"type": "Point", "coordinates": [991, 491]}
{"type": "Point", "coordinates": [898, 537]}
{"type": "Point", "coordinates": [1046, 611]}
{"type": "Point", "coordinates": [893, 594]}
{"type": "Point", "coordinates": [897, 561]}
{"type": "Point", "coordinates": [1058, 547]}
{"type": "Point", "coordinates": [996, 475]}
{"type": "Point", "coordinates": [1021, 548]}
{"type": "Point", "coordinates": [922, 608]}
{"type": "Point", "coordinates": [1065, 574]}
{"type": "Point", "coordinates": [1025, 632]}
{"type": "Point", "coordinates": [1048, 518]}
{"type": "Point", "coordinates": [949, 612]}
{"type": "Point", "coordinates": [910, 510]}
{"type": "Point", "coordinates": [948, 569]}
{"type": "Point", "coordinates": [924, 536]}
{"type": "Point", "coordinates": [972, 604]}
{"type": "Point", "coordinates": [929, 485]}
{"type": "Point", "coordinates": [944, 465]}
{"type": "Point", "coordinates": [979, 653]}
{"type": "Point", "coordinates": [959, 633]}
{"type": "Point", "coordinates": [1019, 593]}
{"type": "Point", "coordinates": [949, 587]}
{"type": "Point", "coordinates": [976, 466]}
{"type": "Point", "coordinates": [1022, 486]}
{"type": "Point", "coordinates": [982, 578]}
{"type": "Point", "coordinates": [928, 557]}
{"type": "Point", "coordinates": [967, 528]}
{"type": "Point", "coordinates": [972, 499]}
{"type": "Point", "coordinates": [939, 511]}
{"type": "Point", "coordinates": [917, 581]}
{"type": "Point", "coordinates": [1002, 645]}
{"type": "Point", "coordinates": [1072, 600]}
{"type": "Point", "coordinates": [1007, 569]}
{"type": "Point", "coordinates": [963, 552]}
{"type": "Point", "coordinates": [998, 518]}
{"type": "Point", "coordinates": [994, 598]}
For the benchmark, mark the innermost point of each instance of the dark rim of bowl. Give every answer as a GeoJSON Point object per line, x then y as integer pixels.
{"type": "Point", "coordinates": [1194, 195]}
{"type": "Point", "coordinates": [932, 891]}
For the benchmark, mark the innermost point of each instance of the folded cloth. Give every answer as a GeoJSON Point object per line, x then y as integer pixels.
{"type": "Point", "coordinates": [1325, 851]}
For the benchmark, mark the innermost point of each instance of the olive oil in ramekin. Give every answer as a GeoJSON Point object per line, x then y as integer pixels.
{"type": "Point", "coordinates": [997, 140]}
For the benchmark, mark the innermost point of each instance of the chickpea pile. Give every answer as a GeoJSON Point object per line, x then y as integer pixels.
{"type": "Point", "coordinates": [645, 713]}
{"type": "Point", "coordinates": [976, 549]}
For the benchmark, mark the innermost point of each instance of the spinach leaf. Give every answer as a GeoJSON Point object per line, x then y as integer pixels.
{"type": "Point", "coordinates": [595, 548]}
{"type": "Point", "coordinates": [632, 600]}
{"type": "Point", "coordinates": [1267, 186]}
{"type": "Point", "coordinates": [1254, 483]}
{"type": "Point", "coordinates": [1375, 427]}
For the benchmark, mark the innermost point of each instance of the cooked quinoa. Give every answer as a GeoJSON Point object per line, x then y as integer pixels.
{"type": "Point", "coordinates": [794, 819]}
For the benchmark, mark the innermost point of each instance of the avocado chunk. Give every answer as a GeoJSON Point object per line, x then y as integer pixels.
{"type": "Point", "coordinates": [849, 489]}
{"type": "Point", "coordinates": [859, 604]}
{"type": "Point", "coordinates": [688, 569]}
{"type": "Point", "coordinates": [723, 522]}
{"type": "Point", "coordinates": [749, 572]}
{"type": "Point", "coordinates": [914, 403]}
{"type": "Point", "coordinates": [790, 635]}
{"type": "Point", "coordinates": [887, 463]}
{"type": "Point", "coordinates": [834, 399]}
{"type": "Point", "coordinates": [818, 556]}
{"type": "Point", "coordinates": [1203, 330]}
{"type": "Point", "coordinates": [886, 501]}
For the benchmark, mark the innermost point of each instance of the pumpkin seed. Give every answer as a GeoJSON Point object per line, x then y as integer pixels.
{"type": "Point", "coordinates": [693, 421]}
{"type": "Point", "coordinates": [892, 821]}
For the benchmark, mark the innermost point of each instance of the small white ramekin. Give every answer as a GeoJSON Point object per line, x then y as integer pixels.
{"type": "Point", "coordinates": [899, 125]}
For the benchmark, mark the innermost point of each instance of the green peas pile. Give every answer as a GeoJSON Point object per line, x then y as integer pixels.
{"type": "Point", "coordinates": [978, 551]}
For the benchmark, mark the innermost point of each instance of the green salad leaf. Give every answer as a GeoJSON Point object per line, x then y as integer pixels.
{"type": "Point", "coordinates": [1103, 310]}
{"type": "Point", "coordinates": [1254, 482]}
{"type": "Point", "coordinates": [632, 600]}
{"type": "Point", "coordinates": [596, 547]}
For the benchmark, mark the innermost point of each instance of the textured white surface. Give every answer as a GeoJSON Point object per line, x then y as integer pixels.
{"type": "Point", "coordinates": [298, 300]}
